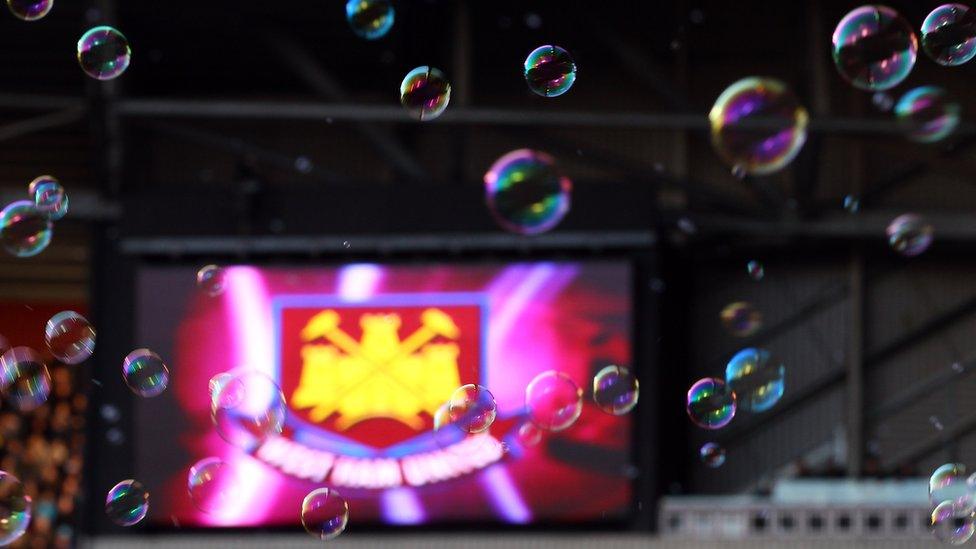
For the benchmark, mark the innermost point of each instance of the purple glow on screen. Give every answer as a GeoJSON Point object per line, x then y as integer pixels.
{"type": "Point", "coordinates": [504, 495]}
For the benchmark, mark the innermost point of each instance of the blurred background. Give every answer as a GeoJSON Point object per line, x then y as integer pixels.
{"type": "Point", "coordinates": [268, 136]}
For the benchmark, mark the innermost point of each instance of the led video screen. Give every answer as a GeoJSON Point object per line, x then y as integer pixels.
{"type": "Point", "coordinates": [364, 356]}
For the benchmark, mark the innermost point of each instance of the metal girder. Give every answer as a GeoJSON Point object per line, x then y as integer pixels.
{"type": "Point", "coordinates": [42, 122]}
{"type": "Point", "coordinates": [924, 447]}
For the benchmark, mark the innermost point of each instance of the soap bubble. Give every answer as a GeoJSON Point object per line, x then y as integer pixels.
{"type": "Point", "coordinates": [615, 390]}
{"type": "Point", "coordinates": [25, 231]}
{"type": "Point", "coordinates": [883, 101]}
{"type": "Point", "coordinates": [711, 405]}
{"type": "Point", "coordinates": [553, 401]}
{"type": "Point", "coordinates": [550, 71]}
{"type": "Point", "coordinates": [949, 484]}
{"type": "Point", "coordinates": [49, 197]}
{"type": "Point", "coordinates": [712, 455]}
{"type": "Point", "coordinates": [248, 409]}
{"type": "Point", "coordinates": [950, 525]}
{"type": "Point", "coordinates": [145, 373]}
{"type": "Point", "coordinates": [756, 270]}
{"type": "Point", "coordinates": [472, 408]}
{"type": "Point", "coordinates": [69, 337]}
{"type": "Point", "coordinates": [529, 434]}
{"type": "Point", "coordinates": [212, 280]}
{"type": "Point", "coordinates": [758, 126]}
{"type": "Point", "coordinates": [30, 10]}
{"type": "Point", "coordinates": [103, 53]}
{"type": "Point", "coordinates": [425, 93]}
{"type": "Point", "coordinates": [874, 48]}
{"type": "Point", "coordinates": [455, 437]}
{"type": "Point", "coordinates": [325, 513]}
{"type": "Point", "coordinates": [216, 384]}
{"type": "Point", "coordinates": [927, 114]}
{"type": "Point", "coordinates": [24, 378]}
{"type": "Point", "coordinates": [211, 484]}
{"type": "Point", "coordinates": [756, 379]}
{"type": "Point", "coordinates": [370, 19]}
{"type": "Point", "coordinates": [127, 503]}
{"type": "Point", "coordinates": [909, 234]}
{"type": "Point", "coordinates": [852, 204]}
{"type": "Point", "coordinates": [526, 193]}
{"type": "Point", "coordinates": [949, 34]}
{"type": "Point", "coordinates": [741, 318]}
{"type": "Point", "coordinates": [15, 509]}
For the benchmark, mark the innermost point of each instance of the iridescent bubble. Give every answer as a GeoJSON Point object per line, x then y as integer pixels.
{"type": "Point", "coordinates": [909, 234]}
{"type": "Point", "coordinates": [15, 509]}
{"type": "Point", "coordinates": [325, 513]}
{"type": "Point", "coordinates": [949, 484]}
{"type": "Point", "coordinates": [127, 503]}
{"type": "Point", "coordinates": [248, 409]}
{"type": "Point", "coordinates": [615, 390]}
{"type": "Point", "coordinates": [852, 204]}
{"type": "Point", "coordinates": [529, 434]}
{"type": "Point", "coordinates": [741, 318]}
{"type": "Point", "coordinates": [882, 101]}
{"type": "Point", "coordinates": [711, 405]}
{"type": "Point", "coordinates": [212, 280]}
{"type": "Point", "coordinates": [927, 114]}
{"type": "Point", "coordinates": [472, 408]}
{"type": "Point", "coordinates": [145, 373]}
{"type": "Point", "coordinates": [103, 53]}
{"type": "Point", "coordinates": [950, 525]}
{"type": "Point", "coordinates": [452, 436]}
{"type": "Point", "coordinates": [49, 197]}
{"type": "Point", "coordinates": [526, 193]}
{"type": "Point", "coordinates": [25, 231]}
{"type": "Point", "coordinates": [550, 71]}
{"type": "Point", "coordinates": [425, 93]}
{"type": "Point", "coordinates": [211, 484]}
{"type": "Point", "coordinates": [874, 48]}
{"type": "Point", "coordinates": [370, 19]}
{"type": "Point", "coordinates": [756, 379]}
{"type": "Point", "coordinates": [70, 337]}
{"type": "Point", "coordinates": [30, 10]}
{"type": "Point", "coordinates": [553, 401]}
{"type": "Point", "coordinates": [758, 126]}
{"type": "Point", "coordinates": [24, 378]}
{"type": "Point", "coordinates": [712, 455]}
{"type": "Point", "coordinates": [215, 386]}
{"type": "Point", "coordinates": [755, 270]}
{"type": "Point", "coordinates": [949, 34]}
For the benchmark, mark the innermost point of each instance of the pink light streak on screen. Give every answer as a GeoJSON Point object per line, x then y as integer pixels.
{"type": "Point", "coordinates": [249, 315]}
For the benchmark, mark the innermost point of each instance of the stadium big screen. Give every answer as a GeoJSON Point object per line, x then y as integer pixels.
{"type": "Point", "coordinates": [364, 355]}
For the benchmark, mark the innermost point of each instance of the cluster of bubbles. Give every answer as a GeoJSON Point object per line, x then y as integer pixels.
{"type": "Point", "coordinates": [953, 498]}
{"type": "Point", "coordinates": [741, 318]}
{"type": "Point", "coordinates": [30, 10]}
{"type": "Point", "coordinates": [550, 71]}
{"type": "Point", "coordinates": [909, 234]}
{"type": "Point", "coordinates": [26, 226]}
{"type": "Point", "coordinates": [758, 126]}
{"type": "Point", "coordinates": [526, 193]}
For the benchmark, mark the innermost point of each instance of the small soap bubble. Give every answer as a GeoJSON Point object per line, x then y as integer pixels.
{"type": "Point", "coordinates": [950, 525]}
{"type": "Point", "coordinates": [949, 34]}
{"type": "Point", "coordinates": [370, 19]}
{"type": "Point", "coordinates": [127, 503]}
{"type": "Point", "coordinates": [741, 318]}
{"type": "Point", "coordinates": [553, 401]}
{"type": "Point", "coordinates": [25, 231]}
{"type": "Point", "coordinates": [529, 434]}
{"type": "Point", "coordinates": [145, 373]}
{"type": "Point", "coordinates": [882, 101]}
{"type": "Point", "coordinates": [852, 204]}
{"type": "Point", "coordinates": [24, 378]}
{"type": "Point", "coordinates": [615, 390]}
{"type": "Point", "coordinates": [687, 226]}
{"type": "Point", "coordinates": [425, 93]}
{"type": "Point", "coordinates": [248, 409]}
{"type": "Point", "coordinates": [909, 234]}
{"type": "Point", "coordinates": [15, 509]}
{"type": "Point", "coordinates": [472, 408]}
{"type": "Point", "coordinates": [212, 280]}
{"type": "Point", "coordinates": [451, 435]}
{"type": "Point", "coordinates": [756, 378]}
{"type": "Point", "coordinates": [325, 513]}
{"type": "Point", "coordinates": [874, 48]}
{"type": "Point", "coordinates": [30, 10]}
{"type": "Point", "coordinates": [710, 405]}
{"type": "Point", "coordinates": [550, 71]}
{"type": "Point", "coordinates": [533, 20]}
{"type": "Point", "coordinates": [949, 484]}
{"type": "Point", "coordinates": [936, 423]}
{"type": "Point", "coordinates": [103, 53]}
{"type": "Point", "coordinates": [712, 455]}
{"type": "Point", "coordinates": [757, 126]}
{"type": "Point", "coordinates": [526, 193]}
{"type": "Point", "coordinates": [211, 484]}
{"type": "Point", "coordinates": [755, 270]}
{"type": "Point", "coordinates": [927, 114]}
{"type": "Point", "coordinates": [69, 337]}
{"type": "Point", "coordinates": [49, 197]}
